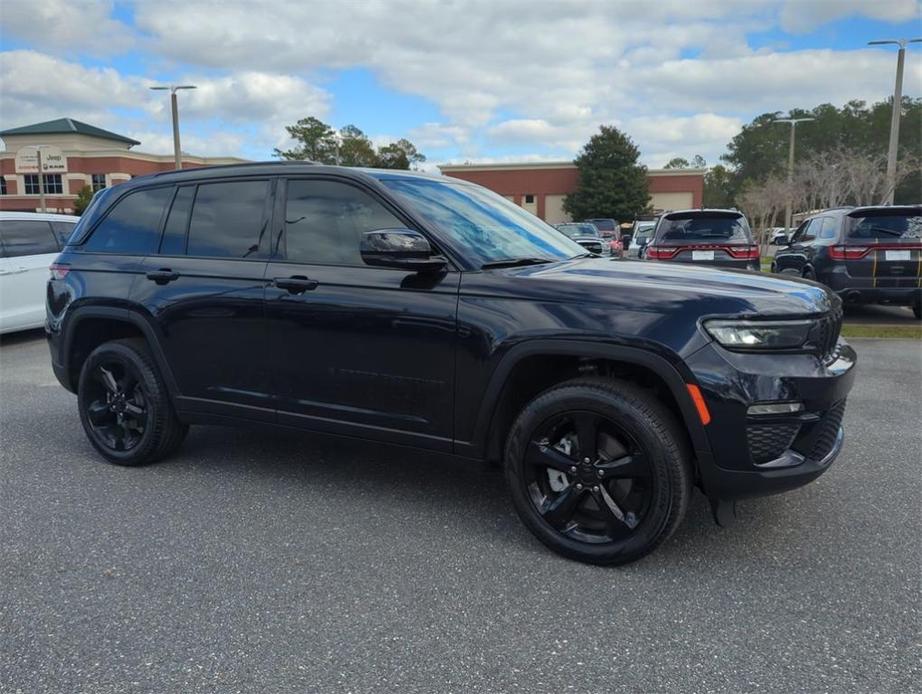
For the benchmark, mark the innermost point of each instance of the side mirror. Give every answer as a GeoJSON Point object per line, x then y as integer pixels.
{"type": "Point", "coordinates": [782, 241]}
{"type": "Point", "coordinates": [403, 249]}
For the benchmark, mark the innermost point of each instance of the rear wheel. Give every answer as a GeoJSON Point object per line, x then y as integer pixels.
{"type": "Point", "coordinates": [917, 310]}
{"type": "Point", "coordinates": [808, 274]}
{"type": "Point", "coordinates": [124, 405]}
{"type": "Point", "coordinates": [598, 470]}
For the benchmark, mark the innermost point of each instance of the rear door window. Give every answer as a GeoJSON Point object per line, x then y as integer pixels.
{"type": "Point", "coordinates": [698, 228]}
{"type": "Point", "coordinates": [230, 220]}
{"type": "Point", "coordinates": [63, 230]}
{"type": "Point", "coordinates": [132, 226]}
{"type": "Point", "coordinates": [27, 237]}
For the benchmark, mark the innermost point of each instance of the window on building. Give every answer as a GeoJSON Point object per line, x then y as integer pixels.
{"type": "Point", "coordinates": [53, 184]}
{"type": "Point", "coordinates": [529, 199]}
{"type": "Point", "coordinates": [324, 222]}
{"type": "Point", "coordinates": [132, 226]}
{"type": "Point", "coordinates": [26, 237]}
{"type": "Point", "coordinates": [2, 185]}
{"type": "Point", "coordinates": [98, 182]}
{"type": "Point", "coordinates": [229, 220]}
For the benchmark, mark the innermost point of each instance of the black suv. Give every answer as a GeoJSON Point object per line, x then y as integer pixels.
{"type": "Point", "coordinates": [707, 236]}
{"type": "Point", "coordinates": [427, 311]}
{"type": "Point", "coordinates": [865, 254]}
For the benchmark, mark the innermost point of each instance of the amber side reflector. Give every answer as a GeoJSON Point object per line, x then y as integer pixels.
{"type": "Point", "coordinates": [700, 404]}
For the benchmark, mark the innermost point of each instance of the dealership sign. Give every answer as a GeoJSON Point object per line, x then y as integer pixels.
{"type": "Point", "coordinates": [53, 160]}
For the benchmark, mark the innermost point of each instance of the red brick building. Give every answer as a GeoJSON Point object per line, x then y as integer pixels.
{"type": "Point", "coordinates": [75, 155]}
{"type": "Point", "coordinates": [540, 187]}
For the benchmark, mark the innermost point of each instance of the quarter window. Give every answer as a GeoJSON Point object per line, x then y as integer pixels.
{"type": "Point", "coordinates": [324, 222]}
{"type": "Point", "coordinates": [132, 226]}
{"type": "Point", "coordinates": [26, 237]}
{"type": "Point", "coordinates": [229, 220]}
{"type": "Point", "coordinates": [63, 230]}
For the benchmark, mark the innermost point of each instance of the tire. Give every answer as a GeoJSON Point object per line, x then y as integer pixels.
{"type": "Point", "coordinates": [809, 275]}
{"type": "Point", "coordinates": [124, 405]}
{"type": "Point", "coordinates": [917, 310]}
{"type": "Point", "coordinates": [639, 448]}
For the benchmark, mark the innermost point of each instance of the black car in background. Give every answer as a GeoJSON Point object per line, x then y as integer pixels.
{"type": "Point", "coordinates": [585, 234]}
{"type": "Point", "coordinates": [426, 311]}
{"type": "Point", "coordinates": [864, 254]}
{"type": "Point", "coordinates": [707, 236]}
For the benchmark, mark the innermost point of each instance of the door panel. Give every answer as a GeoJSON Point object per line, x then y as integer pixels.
{"type": "Point", "coordinates": [28, 247]}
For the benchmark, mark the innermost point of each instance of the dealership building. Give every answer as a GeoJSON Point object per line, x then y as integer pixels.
{"type": "Point", "coordinates": [74, 155]}
{"type": "Point", "coordinates": [540, 187]}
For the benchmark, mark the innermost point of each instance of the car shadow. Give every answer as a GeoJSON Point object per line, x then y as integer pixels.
{"type": "Point", "coordinates": [22, 336]}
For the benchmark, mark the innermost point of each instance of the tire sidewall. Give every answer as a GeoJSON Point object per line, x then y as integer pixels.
{"type": "Point", "coordinates": [665, 462]}
{"type": "Point", "coordinates": [150, 388]}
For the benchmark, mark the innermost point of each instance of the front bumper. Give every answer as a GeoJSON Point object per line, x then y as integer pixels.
{"type": "Point", "coordinates": [755, 455]}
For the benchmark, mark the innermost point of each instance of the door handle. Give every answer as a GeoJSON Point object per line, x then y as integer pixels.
{"type": "Point", "coordinates": [162, 276]}
{"type": "Point", "coordinates": [298, 284]}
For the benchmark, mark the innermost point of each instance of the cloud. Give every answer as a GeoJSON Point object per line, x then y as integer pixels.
{"type": "Point", "coordinates": [66, 25]}
{"type": "Point", "coordinates": [802, 16]}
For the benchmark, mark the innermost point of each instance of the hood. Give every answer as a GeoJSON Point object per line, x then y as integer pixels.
{"type": "Point", "coordinates": [639, 286]}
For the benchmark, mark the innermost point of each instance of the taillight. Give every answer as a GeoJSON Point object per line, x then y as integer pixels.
{"type": "Point", "coordinates": [660, 253]}
{"type": "Point", "coordinates": [848, 252]}
{"type": "Point", "coordinates": [59, 270]}
{"type": "Point", "coordinates": [743, 252]}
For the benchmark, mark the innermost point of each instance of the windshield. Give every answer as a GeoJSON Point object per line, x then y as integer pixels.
{"type": "Point", "coordinates": [703, 228]}
{"type": "Point", "coordinates": [485, 224]}
{"type": "Point", "coordinates": [604, 224]}
{"type": "Point", "coordinates": [574, 230]}
{"type": "Point", "coordinates": [883, 226]}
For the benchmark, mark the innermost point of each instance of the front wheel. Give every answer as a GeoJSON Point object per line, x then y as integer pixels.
{"type": "Point", "coordinates": [124, 405]}
{"type": "Point", "coordinates": [598, 470]}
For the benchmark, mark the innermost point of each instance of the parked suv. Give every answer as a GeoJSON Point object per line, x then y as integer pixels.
{"type": "Point", "coordinates": [709, 237]}
{"type": "Point", "coordinates": [584, 233]}
{"type": "Point", "coordinates": [427, 311]}
{"type": "Point", "coordinates": [865, 254]}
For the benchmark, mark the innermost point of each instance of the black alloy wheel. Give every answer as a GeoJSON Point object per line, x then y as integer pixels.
{"type": "Point", "coordinates": [124, 405]}
{"type": "Point", "coordinates": [598, 470]}
{"type": "Point", "coordinates": [116, 407]}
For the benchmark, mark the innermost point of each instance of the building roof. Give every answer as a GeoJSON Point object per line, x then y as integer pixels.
{"type": "Point", "coordinates": [570, 164]}
{"type": "Point", "coordinates": [67, 125]}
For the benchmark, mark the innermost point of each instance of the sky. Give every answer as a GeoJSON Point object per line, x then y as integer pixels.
{"type": "Point", "coordinates": [464, 80]}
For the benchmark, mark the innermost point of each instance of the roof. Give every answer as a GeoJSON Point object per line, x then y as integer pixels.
{"type": "Point", "coordinates": [569, 164]}
{"type": "Point", "coordinates": [67, 125]}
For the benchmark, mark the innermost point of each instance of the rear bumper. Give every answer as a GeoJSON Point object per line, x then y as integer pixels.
{"type": "Point", "coordinates": [755, 455]}
{"type": "Point", "coordinates": [870, 290]}
{"type": "Point", "coordinates": [903, 296]}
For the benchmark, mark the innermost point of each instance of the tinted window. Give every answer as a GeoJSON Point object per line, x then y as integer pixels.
{"type": "Point", "coordinates": [700, 228]}
{"type": "Point", "coordinates": [229, 220]}
{"type": "Point", "coordinates": [132, 226]}
{"type": "Point", "coordinates": [828, 229]}
{"type": "Point", "coordinates": [324, 222]}
{"type": "Point", "coordinates": [574, 230]}
{"type": "Point", "coordinates": [604, 224]}
{"type": "Point", "coordinates": [27, 237]}
{"type": "Point", "coordinates": [887, 226]}
{"type": "Point", "coordinates": [486, 225]}
{"type": "Point", "coordinates": [177, 223]}
{"type": "Point", "coordinates": [63, 230]}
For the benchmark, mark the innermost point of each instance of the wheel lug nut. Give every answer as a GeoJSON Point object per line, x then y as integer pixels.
{"type": "Point", "coordinates": [573, 468]}
{"type": "Point", "coordinates": [579, 487]}
{"type": "Point", "coordinates": [595, 488]}
{"type": "Point", "coordinates": [586, 460]}
{"type": "Point", "coordinates": [601, 473]}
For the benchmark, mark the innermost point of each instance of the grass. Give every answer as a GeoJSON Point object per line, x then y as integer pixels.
{"type": "Point", "coordinates": [766, 264]}
{"type": "Point", "coordinates": [911, 332]}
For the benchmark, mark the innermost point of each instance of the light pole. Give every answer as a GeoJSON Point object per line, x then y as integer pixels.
{"type": "Point", "coordinates": [789, 212]}
{"type": "Point", "coordinates": [173, 88]}
{"type": "Point", "coordinates": [895, 117]}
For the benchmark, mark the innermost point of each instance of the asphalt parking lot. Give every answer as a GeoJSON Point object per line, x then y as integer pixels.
{"type": "Point", "coordinates": [258, 562]}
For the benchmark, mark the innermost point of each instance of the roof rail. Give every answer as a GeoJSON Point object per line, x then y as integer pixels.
{"type": "Point", "coordinates": [284, 162]}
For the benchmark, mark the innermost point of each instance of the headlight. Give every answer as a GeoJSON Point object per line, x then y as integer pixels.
{"type": "Point", "coordinates": [746, 334]}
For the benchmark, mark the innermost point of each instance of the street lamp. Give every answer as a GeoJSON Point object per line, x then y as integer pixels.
{"type": "Point", "coordinates": [177, 154]}
{"type": "Point", "coordinates": [895, 117]}
{"type": "Point", "coordinates": [789, 212]}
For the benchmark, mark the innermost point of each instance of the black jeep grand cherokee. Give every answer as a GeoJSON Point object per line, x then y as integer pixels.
{"type": "Point", "coordinates": [426, 311]}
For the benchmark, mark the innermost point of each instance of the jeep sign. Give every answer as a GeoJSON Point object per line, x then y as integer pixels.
{"type": "Point", "coordinates": [53, 160]}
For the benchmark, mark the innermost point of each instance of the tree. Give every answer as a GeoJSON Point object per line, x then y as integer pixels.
{"type": "Point", "coordinates": [719, 187]}
{"type": "Point", "coordinates": [698, 162]}
{"type": "Point", "coordinates": [355, 149]}
{"type": "Point", "coordinates": [611, 182]}
{"type": "Point", "coordinates": [84, 196]}
{"type": "Point", "coordinates": [316, 141]}
{"type": "Point", "coordinates": [399, 155]}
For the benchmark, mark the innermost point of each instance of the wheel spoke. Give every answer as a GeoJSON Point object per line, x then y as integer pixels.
{"type": "Point", "coordinates": [587, 434]}
{"type": "Point", "coordinates": [108, 380]}
{"type": "Point", "coordinates": [97, 412]}
{"type": "Point", "coordinates": [626, 466]}
{"type": "Point", "coordinates": [546, 456]}
{"type": "Point", "coordinates": [616, 520]}
{"type": "Point", "coordinates": [131, 408]}
{"type": "Point", "coordinates": [560, 509]}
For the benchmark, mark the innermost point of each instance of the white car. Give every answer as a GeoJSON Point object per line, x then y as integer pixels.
{"type": "Point", "coordinates": [29, 243]}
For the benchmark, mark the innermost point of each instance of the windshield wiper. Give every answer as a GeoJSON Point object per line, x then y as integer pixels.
{"type": "Point", "coordinates": [515, 262]}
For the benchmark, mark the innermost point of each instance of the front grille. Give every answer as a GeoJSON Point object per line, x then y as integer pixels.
{"type": "Point", "coordinates": [825, 432]}
{"type": "Point", "coordinates": [770, 440]}
{"type": "Point", "coordinates": [825, 334]}
{"type": "Point", "coordinates": [592, 247]}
